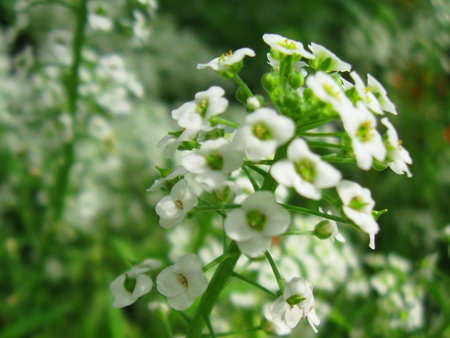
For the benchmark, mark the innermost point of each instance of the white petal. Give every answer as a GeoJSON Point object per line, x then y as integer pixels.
{"type": "Point", "coordinates": [143, 285]}
{"type": "Point", "coordinates": [168, 283]}
{"type": "Point", "coordinates": [255, 247]}
{"type": "Point", "coordinates": [292, 316]}
{"type": "Point", "coordinates": [180, 302]}
{"type": "Point", "coordinates": [236, 226]}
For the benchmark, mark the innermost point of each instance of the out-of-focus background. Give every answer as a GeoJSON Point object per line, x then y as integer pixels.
{"type": "Point", "coordinates": [74, 168]}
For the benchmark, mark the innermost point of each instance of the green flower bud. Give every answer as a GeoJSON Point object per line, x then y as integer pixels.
{"type": "Point", "coordinates": [377, 213]}
{"type": "Point", "coordinates": [290, 99]}
{"type": "Point", "coordinates": [296, 79]}
{"type": "Point", "coordinates": [323, 230]}
{"type": "Point", "coordinates": [241, 95]}
{"type": "Point", "coordinates": [270, 81]}
{"type": "Point", "coordinates": [379, 166]}
{"type": "Point", "coordinates": [129, 283]}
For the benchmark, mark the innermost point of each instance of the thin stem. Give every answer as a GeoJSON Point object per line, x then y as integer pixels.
{"type": "Point", "coordinates": [327, 145]}
{"type": "Point", "coordinates": [280, 280]}
{"type": "Point", "coordinates": [218, 120]}
{"type": "Point", "coordinates": [327, 197]}
{"type": "Point", "coordinates": [235, 333]}
{"type": "Point", "coordinates": [250, 177]}
{"type": "Point", "coordinates": [299, 233]}
{"type": "Point", "coordinates": [209, 326]}
{"type": "Point", "coordinates": [264, 162]}
{"type": "Point", "coordinates": [269, 183]}
{"type": "Point", "coordinates": [313, 124]}
{"type": "Point", "coordinates": [333, 158]}
{"type": "Point", "coordinates": [248, 281]}
{"type": "Point", "coordinates": [260, 171]}
{"type": "Point", "coordinates": [243, 85]}
{"type": "Point", "coordinates": [337, 134]}
{"type": "Point", "coordinates": [301, 210]}
{"type": "Point", "coordinates": [216, 285]}
{"type": "Point", "coordinates": [217, 207]}
{"type": "Point", "coordinates": [216, 261]}
{"type": "Point", "coordinates": [68, 157]}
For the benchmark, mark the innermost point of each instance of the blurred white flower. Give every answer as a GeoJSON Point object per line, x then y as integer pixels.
{"type": "Point", "coordinates": [378, 90]}
{"type": "Point", "coordinates": [326, 61]}
{"type": "Point", "coordinates": [182, 282]}
{"type": "Point", "coordinates": [227, 62]}
{"type": "Point", "coordinates": [328, 90]}
{"type": "Point", "coordinates": [279, 46]}
{"type": "Point", "coordinates": [397, 157]}
{"type": "Point", "coordinates": [368, 98]}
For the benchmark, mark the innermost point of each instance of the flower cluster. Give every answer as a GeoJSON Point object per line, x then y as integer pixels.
{"type": "Point", "coordinates": [276, 148]}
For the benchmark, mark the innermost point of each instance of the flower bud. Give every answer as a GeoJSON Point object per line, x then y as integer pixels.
{"type": "Point", "coordinates": [377, 213]}
{"type": "Point", "coordinates": [290, 99]}
{"type": "Point", "coordinates": [296, 79]}
{"type": "Point", "coordinates": [270, 81]}
{"type": "Point", "coordinates": [241, 95]}
{"type": "Point", "coordinates": [323, 230]}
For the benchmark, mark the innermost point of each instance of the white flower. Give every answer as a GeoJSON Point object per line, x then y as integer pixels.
{"type": "Point", "coordinates": [326, 60]}
{"type": "Point", "coordinates": [131, 285]}
{"type": "Point", "coordinates": [280, 45]}
{"type": "Point", "coordinates": [366, 95]}
{"type": "Point", "coordinates": [173, 208]}
{"type": "Point", "coordinates": [195, 115]}
{"type": "Point", "coordinates": [367, 143]}
{"type": "Point", "coordinates": [170, 142]}
{"type": "Point", "coordinates": [231, 62]}
{"type": "Point", "coordinates": [397, 157]}
{"type": "Point", "coordinates": [305, 171]}
{"type": "Point", "coordinates": [272, 326]}
{"type": "Point", "coordinates": [358, 206]}
{"type": "Point", "coordinates": [254, 224]}
{"type": "Point", "coordinates": [378, 90]}
{"type": "Point", "coordinates": [328, 90]}
{"type": "Point", "coordinates": [262, 132]}
{"type": "Point", "coordinates": [177, 171]}
{"type": "Point", "coordinates": [214, 162]}
{"type": "Point", "coordinates": [182, 282]}
{"type": "Point", "coordinates": [297, 302]}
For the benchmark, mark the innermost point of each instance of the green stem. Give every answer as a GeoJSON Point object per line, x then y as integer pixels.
{"type": "Point", "coordinates": [217, 207]}
{"type": "Point", "coordinates": [314, 144]}
{"type": "Point", "coordinates": [68, 158]}
{"type": "Point", "coordinates": [301, 210]}
{"type": "Point", "coordinates": [243, 85]}
{"type": "Point", "coordinates": [248, 281]}
{"type": "Point", "coordinates": [250, 177]}
{"type": "Point", "coordinates": [209, 326]}
{"type": "Point", "coordinates": [236, 333]}
{"type": "Point", "coordinates": [269, 183]}
{"type": "Point", "coordinates": [257, 169]}
{"type": "Point", "coordinates": [298, 233]}
{"type": "Point", "coordinates": [216, 285]}
{"type": "Point", "coordinates": [337, 134]}
{"type": "Point", "coordinates": [264, 162]}
{"type": "Point", "coordinates": [333, 158]}
{"type": "Point", "coordinates": [280, 280]}
{"type": "Point", "coordinates": [218, 260]}
{"type": "Point", "coordinates": [218, 120]}
{"type": "Point", "coordinates": [313, 124]}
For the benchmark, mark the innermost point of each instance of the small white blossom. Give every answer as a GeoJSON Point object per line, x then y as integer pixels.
{"type": "Point", "coordinates": [172, 209]}
{"type": "Point", "coordinates": [226, 62]}
{"type": "Point", "coordinates": [328, 90]}
{"type": "Point", "coordinates": [397, 157]}
{"type": "Point", "coordinates": [214, 162]}
{"type": "Point", "coordinates": [182, 282]}
{"type": "Point", "coordinates": [305, 171]}
{"type": "Point", "coordinates": [326, 60]}
{"type": "Point", "coordinates": [254, 224]}
{"type": "Point", "coordinates": [367, 143]}
{"type": "Point", "coordinates": [378, 90]}
{"type": "Point", "coordinates": [177, 171]}
{"type": "Point", "coordinates": [195, 115]}
{"type": "Point", "coordinates": [369, 98]}
{"type": "Point", "coordinates": [297, 302]}
{"type": "Point", "coordinates": [358, 206]}
{"type": "Point", "coordinates": [272, 326]}
{"type": "Point", "coordinates": [131, 285]}
{"type": "Point", "coordinates": [262, 132]}
{"type": "Point", "coordinates": [284, 46]}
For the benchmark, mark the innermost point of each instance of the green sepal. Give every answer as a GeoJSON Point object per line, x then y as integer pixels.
{"type": "Point", "coordinates": [188, 145]}
{"type": "Point", "coordinates": [377, 213]}
{"type": "Point", "coordinates": [379, 166]}
{"type": "Point", "coordinates": [164, 171]}
{"type": "Point", "coordinates": [129, 283]}
{"type": "Point", "coordinates": [214, 134]}
{"type": "Point", "coordinates": [270, 81]}
{"type": "Point", "coordinates": [241, 95]}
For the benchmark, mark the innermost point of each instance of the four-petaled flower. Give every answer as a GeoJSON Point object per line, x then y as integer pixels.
{"type": "Point", "coordinates": [305, 171]}
{"type": "Point", "coordinates": [296, 302]}
{"type": "Point", "coordinates": [326, 61]}
{"type": "Point", "coordinates": [173, 208]}
{"type": "Point", "coordinates": [263, 132]}
{"type": "Point", "coordinates": [182, 282]}
{"type": "Point", "coordinates": [254, 224]}
{"type": "Point", "coordinates": [358, 205]}
{"type": "Point", "coordinates": [228, 64]}
{"type": "Point", "coordinates": [131, 285]}
{"type": "Point", "coordinates": [281, 47]}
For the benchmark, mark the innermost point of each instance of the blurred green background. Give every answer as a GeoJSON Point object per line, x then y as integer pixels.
{"type": "Point", "coordinates": [66, 234]}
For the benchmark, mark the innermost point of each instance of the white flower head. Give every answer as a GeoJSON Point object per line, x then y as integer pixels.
{"type": "Point", "coordinates": [328, 90]}
{"type": "Point", "coordinates": [262, 132]}
{"type": "Point", "coordinates": [214, 162]}
{"type": "Point", "coordinates": [326, 61]}
{"type": "Point", "coordinates": [195, 115]}
{"type": "Point", "coordinates": [131, 285]}
{"type": "Point", "coordinates": [360, 124]}
{"type": "Point", "coordinates": [172, 209]}
{"type": "Point", "coordinates": [368, 98]}
{"type": "Point", "coordinates": [358, 205]}
{"type": "Point", "coordinates": [378, 90]}
{"type": "Point", "coordinates": [397, 157]}
{"type": "Point", "coordinates": [254, 224]}
{"type": "Point", "coordinates": [272, 326]}
{"type": "Point", "coordinates": [281, 46]}
{"type": "Point", "coordinates": [182, 282]}
{"type": "Point", "coordinates": [305, 171]}
{"type": "Point", "coordinates": [176, 171]}
{"type": "Point", "coordinates": [297, 302]}
{"type": "Point", "coordinates": [228, 64]}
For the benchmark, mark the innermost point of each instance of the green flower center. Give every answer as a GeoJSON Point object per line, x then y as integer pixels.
{"type": "Point", "coordinates": [261, 131]}
{"type": "Point", "coordinates": [289, 44]}
{"type": "Point", "coordinates": [294, 300]}
{"type": "Point", "coordinates": [202, 107]}
{"type": "Point", "coordinates": [129, 283]}
{"type": "Point", "coordinates": [256, 220]}
{"type": "Point", "coordinates": [357, 203]}
{"type": "Point", "coordinates": [306, 169]}
{"type": "Point", "coordinates": [183, 281]}
{"type": "Point", "coordinates": [214, 161]}
{"type": "Point", "coordinates": [365, 132]}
